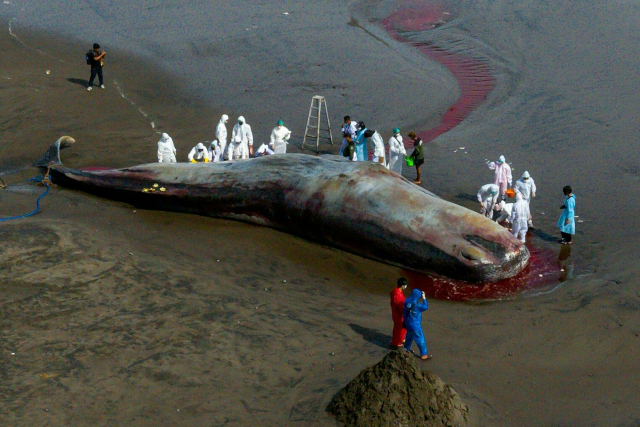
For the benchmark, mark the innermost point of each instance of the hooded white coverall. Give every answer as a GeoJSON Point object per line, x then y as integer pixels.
{"type": "Point", "coordinates": [526, 187]}
{"type": "Point", "coordinates": [215, 153]}
{"type": "Point", "coordinates": [502, 177]}
{"type": "Point", "coordinates": [520, 217]}
{"type": "Point", "coordinates": [378, 149]}
{"type": "Point", "coordinates": [505, 211]}
{"type": "Point", "coordinates": [396, 154]}
{"type": "Point", "coordinates": [199, 153]}
{"type": "Point", "coordinates": [241, 139]}
{"type": "Point", "coordinates": [279, 137]}
{"type": "Point", "coordinates": [166, 150]}
{"type": "Point", "coordinates": [221, 134]}
{"type": "Point", "coordinates": [488, 196]}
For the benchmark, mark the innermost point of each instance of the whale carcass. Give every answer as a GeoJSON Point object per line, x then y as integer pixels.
{"type": "Point", "coordinates": [359, 207]}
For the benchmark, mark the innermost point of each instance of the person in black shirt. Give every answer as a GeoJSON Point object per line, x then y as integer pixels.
{"type": "Point", "coordinates": [418, 155]}
{"type": "Point", "coordinates": [96, 57]}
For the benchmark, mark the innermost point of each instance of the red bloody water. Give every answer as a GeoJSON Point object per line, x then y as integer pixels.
{"type": "Point", "coordinates": [473, 77]}
{"type": "Point", "coordinates": [476, 82]}
{"type": "Point", "coordinates": [543, 273]}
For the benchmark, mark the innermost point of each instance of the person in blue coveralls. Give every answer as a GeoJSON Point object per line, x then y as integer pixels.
{"type": "Point", "coordinates": [567, 222]}
{"type": "Point", "coordinates": [413, 309]}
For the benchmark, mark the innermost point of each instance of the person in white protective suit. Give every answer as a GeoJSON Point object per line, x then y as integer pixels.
{"type": "Point", "coordinates": [199, 154]}
{"type": "Point", "coordinates": [488, 197]}
{"type": "Point", "coordinates": [215, 153]}
{"type": "Point", "coordinates": [241, 146]}
{"type": "Point", "coordinates": [520, 217]}
{"type": "Point", "coordinates": [279, 137]}
{"type": "Point", "coordinates": [505, 210]}
{"type": "Point", "coordinates": [166, 150]}
{"type": "Point", "coordinates": [527, 187]}
{"type": "Point", "coordinates": [396, 152]}
{"type": "Point", "coordinates": [502, 176]}
{"type": "Point", "coordinates": [378, 149]}
{"type": "Point", "coordinates": [221, 134]}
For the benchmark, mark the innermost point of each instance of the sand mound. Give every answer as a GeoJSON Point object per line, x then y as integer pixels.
{"type": "Point", "coordinates": [396, 392]}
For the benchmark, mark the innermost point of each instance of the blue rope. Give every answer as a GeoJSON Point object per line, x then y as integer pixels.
{"type": "Point", "coordinates": [41, 180]}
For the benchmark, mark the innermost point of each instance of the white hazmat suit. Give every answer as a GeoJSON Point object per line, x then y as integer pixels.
{"type": "Point", "coordinates": [502, 176]}
{"type": "Point", "coordinates": [166, 150]}
{"type": "Point", "coordinates": [520, 217]}
{"type": "Point", "coordinates": [221, 134]}
{"type": "Point", "coordinates": [488, 197]}
{"type": "Point", "coordinates": [396, 153]}
{"type": "Point", "coordinates": [215, 153]}
{"type": "Point", "coordinates": [279, 137]}
{"type": "Point", "coordinates": [241, 139]}
{"type": "Point", "coordinates": [527, 187]}
{"type": "Point", "coordinates": [378, 149]}
{"type": "Point", "coordinates": [199, 153]}
{"type": "Point", "coordinates": [505, 211]}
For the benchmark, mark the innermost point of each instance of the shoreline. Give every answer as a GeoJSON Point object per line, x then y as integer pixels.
{"type": "Point", "coordinates": [122, 316]}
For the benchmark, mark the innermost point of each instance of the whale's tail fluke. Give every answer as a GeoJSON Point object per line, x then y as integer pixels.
{"type": "Point", "coordinates": [52, 156]}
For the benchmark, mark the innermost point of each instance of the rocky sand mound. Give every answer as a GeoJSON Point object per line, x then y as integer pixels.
{"type": "Point", "coordinates": [396, 392]}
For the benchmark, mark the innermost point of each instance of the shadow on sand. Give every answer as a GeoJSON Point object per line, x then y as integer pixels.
{"type": "Point", "coordinates": [81, 82]}
{"type": "Point", "coordinates": [371, 335]}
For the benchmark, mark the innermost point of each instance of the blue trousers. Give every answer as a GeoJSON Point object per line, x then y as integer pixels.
{"type": "Point", "coordinates": [417, 336]}
{"type": "Point", "coordinates": [94, 71]}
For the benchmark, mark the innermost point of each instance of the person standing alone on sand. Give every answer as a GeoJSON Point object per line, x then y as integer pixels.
{"type": "Point", "coordinates": [567, 222]}
{"type": "Point", "coordinates": [95, 59]}
{"type": "Point", "coordinates": [397, 313]}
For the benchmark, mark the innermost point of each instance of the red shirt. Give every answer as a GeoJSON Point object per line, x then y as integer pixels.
{"type": "Point", "coordinates": [397, 303]}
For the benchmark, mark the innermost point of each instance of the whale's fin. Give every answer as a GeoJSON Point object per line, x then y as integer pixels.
{"type": "Point", "coordinates": [52, 156]}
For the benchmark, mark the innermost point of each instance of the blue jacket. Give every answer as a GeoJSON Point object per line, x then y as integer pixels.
{"type": "Point", "coordinates": [362, 153]}
{"type": "Point", "coordinates": [413, 310]}
{"type": "Point", "coordinates": [568, 213]}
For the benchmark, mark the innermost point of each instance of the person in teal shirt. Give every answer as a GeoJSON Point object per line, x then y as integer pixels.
{"type": "Point", "coordinates": [362, 152]}
{"type": "Point", "coordinates": [567, 222]}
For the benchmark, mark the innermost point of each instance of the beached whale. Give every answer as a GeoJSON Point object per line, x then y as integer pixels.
{"type": "Point", "coordinates": [359, 207]}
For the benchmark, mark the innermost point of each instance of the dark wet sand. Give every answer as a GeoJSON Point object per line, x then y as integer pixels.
{"type": "Point", "coordinates": [112, 316]}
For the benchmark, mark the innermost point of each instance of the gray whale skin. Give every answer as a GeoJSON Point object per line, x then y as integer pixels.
{"type": "Point", "coordinates": [359, 207]}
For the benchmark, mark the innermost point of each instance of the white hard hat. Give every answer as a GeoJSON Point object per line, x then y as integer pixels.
{"type": "Point", "coordinates": [241, 119]}
{"type": "Point", "coordinates": [225, 118]}
{"type": "Point", "coordinates": [526, 175]}
{"type": "Point", "coordinates": [501, 159]}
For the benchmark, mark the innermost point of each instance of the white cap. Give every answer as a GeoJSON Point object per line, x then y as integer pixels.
{"type": "Point", "coordinates": [501, 159]}
{"type": "Point", "coordinates": [526, 175]}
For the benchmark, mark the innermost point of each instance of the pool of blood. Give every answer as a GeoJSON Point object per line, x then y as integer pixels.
{"type": "Point", "coordinates": [544, 273]}
{"type": "Point", "coordinates": [473, 76]}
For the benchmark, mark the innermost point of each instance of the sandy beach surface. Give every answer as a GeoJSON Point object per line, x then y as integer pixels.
{"type": "Point", "coordinates": [112, 315]}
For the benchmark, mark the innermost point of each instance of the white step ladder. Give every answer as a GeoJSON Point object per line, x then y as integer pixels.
{"type": "Point", "coordinates": [313, 122]}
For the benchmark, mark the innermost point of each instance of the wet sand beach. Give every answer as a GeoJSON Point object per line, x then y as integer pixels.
{"type": "Point", "coordinates": [112, 315]}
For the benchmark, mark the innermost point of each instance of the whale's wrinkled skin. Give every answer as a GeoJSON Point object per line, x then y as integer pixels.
{"type": "Point", "coordinates": [358, 207]}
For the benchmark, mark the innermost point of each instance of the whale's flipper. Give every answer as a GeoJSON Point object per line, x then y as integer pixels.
{"type": "Point", "coordinates": [52, 156]}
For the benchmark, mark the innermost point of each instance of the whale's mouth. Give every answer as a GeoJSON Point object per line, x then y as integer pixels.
{"type": "Point", "coordinates": [494, 259]}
